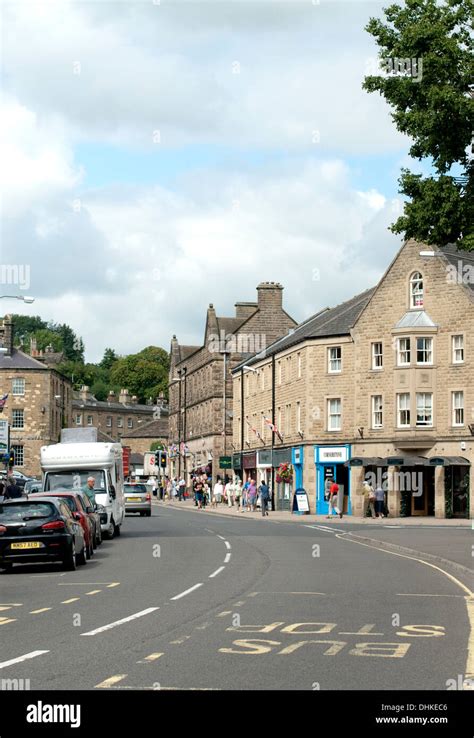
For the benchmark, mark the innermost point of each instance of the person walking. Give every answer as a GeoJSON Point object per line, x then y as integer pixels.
{"type": "Point", "coordinates": [238, 493]}
{"type": "Point", "coordinates": [264, 497]}
{"type": "Point", "coordinates": [252, 496]}
{"type": "Point", "coordinates": [379, 501]}
{"type": "Point", "coordinates": [369, 499]}
{"type": "Point", "coordinates": [199, 492]}
{"type": "Point", "coordinates": [333, 495]}
{"type": "Point", "coordinates": [229, 492]}
{"type": "Point", "coordinates": [13, 491]}
{"type": "Point", "coordinates": [181, 489]}
{"type": "Point", "coordinates": [217, 492]}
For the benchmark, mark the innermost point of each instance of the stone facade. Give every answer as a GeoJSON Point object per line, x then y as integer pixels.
{"type": "Point", "coordinates": [118, 416]}
{"type": "Point", "coordinates": [38, 405]}
{"type": "Point", "coordinates": [196, 388]}
{"type": "Point", "coordinates": [141, 439]}
{"type": "Point", "coordinates": [328, 374]}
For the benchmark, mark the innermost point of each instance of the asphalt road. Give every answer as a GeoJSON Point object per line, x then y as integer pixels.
{"type": "Point", "coordinates": [194, 600]}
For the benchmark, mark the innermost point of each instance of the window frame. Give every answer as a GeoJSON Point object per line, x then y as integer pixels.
{"type": "Point", "coordinates": [374, 356]}
{"type": "Point", "coordinates": [454, 409]}
{"type": "Point", "coordinates": [375, 411]}
{"type": "Point", "coordinates": [424, 350]}
{"type": "Point", "coordinates": [23, 382]}
{"type": "Point", "coordinates": [334, 415]}
{"type": "Point", "coordinates": [416, 278]}
{"type": "Point", "coordinates": [337, 360]}
{"type": "Point", "coordinates": [406, 351]}
{"type": "Point", "coordinates": [454, 349]}
{"type": "Point", "coordinates": [18, 412]}
{"type": "Point", "coordinates": [403, 410]}
{"type": "Point", "coordinates": [424, 424]}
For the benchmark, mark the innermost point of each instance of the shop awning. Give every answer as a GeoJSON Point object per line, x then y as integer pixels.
{"type": "Point", "coordinates": [405, 460]}
{"type": "Point", "coordinates": [448, 461]}
{"type": "Point", "coordinates": [365, 461]}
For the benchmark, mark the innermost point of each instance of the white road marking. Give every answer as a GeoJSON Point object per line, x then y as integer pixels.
{"type": "Point", "coordinates": [409, 594]}
{"type": "Point", "coordinates": [121, 622]}
{"type": "Point", "coordinates": [19, 659]}
{"type": "Point", "coordinates": [67, 602]}
{"type": "Point", "coordinates": [42, 609]}
{"type": "Point", "coordinates": [216, 572]}
{"type": "Point", "coordinates": [150, 658]}
{"type": "Point", "coordinates": [326, 528]}
{"type": "Point", "coordinates": [227, 544]}
{"type": "Point", "coordinates": [187, 591]}
{"type": "Point", "coordinates": [221, 537]}
{"type": "Point", "coordinates": [224, 613]}
{"type": "Point", "coordinates": [107, 683]}
{"type": "Point", "coordinates": [227, 558]}
{"type": "Point", "coordinates": [94, 592]}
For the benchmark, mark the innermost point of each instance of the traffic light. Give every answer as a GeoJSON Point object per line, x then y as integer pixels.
{"type": "Point", "coordinates": [11, 459]}
{"type": "Point", "coordinates": [163, 459]}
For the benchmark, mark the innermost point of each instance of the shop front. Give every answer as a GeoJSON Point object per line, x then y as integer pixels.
{"type": "Point", "coordinates": [284, 488]}
{"type": "Point", "coordinates": [249, 466]}
{"type": "Point", "coordinates": [237, 465]}
{"type": "Point", "coordinates": [264, 467]}
{"type": "Point", "coordinates": [330, 464]}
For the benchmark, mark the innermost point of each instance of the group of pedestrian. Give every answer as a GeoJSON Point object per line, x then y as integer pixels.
{"type": "Point", "coordinates": [373, 500]}
{"type": "Point", "coordinates": [231, 492]}
{"type": "Point", "coordinates": [169, 489]}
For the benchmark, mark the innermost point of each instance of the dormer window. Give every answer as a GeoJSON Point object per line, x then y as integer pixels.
{"type": "Point", "coordinates": [416, 290]}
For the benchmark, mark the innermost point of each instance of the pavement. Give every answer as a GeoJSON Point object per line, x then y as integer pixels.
{"type": "Point", "coordinates": [192, 599]}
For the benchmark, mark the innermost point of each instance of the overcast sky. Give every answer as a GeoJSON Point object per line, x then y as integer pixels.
{"type": "Point", "coordinates": [158, 156]}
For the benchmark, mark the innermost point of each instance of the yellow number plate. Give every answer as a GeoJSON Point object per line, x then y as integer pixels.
{"type": "Point", "coordinates": [32, 544]}
{"type": "Point", "coordinates": [133, 499]}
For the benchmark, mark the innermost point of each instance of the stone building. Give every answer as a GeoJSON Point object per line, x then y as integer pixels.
{"type": "Point", "coordinates": [380, 387]}
{"type": "Point", "coordinates": [200, 385]}
{"type": "Point", "coordinates": [117, 416]}
{"type": "Point", "coordinates": [38, 405]}
{"type": "Point", "coordinates": [140, 440]}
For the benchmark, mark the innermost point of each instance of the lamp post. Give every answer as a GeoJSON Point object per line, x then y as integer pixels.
{"type": "Point", "coordinates": [242, 413]}
{"type": "Point", "coordinates": [180, 379]}
{"type": "Point", "coordinates": [24, 298]}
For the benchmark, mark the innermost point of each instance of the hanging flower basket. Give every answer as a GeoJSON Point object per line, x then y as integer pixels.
{"type": "Point", "coordinates": [284, 473]}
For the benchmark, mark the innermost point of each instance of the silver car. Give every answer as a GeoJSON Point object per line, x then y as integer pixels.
{"type": "Point", "coordinates": [137, 499]}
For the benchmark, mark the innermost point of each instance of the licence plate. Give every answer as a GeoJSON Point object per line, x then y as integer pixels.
{"type": "Point", "coordinates": [133, 499]}
{"type": "Point", "coordinates": [31, 544]}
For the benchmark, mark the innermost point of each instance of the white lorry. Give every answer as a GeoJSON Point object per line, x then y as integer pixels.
{"type": "Point", "coordinates": [68, 466]}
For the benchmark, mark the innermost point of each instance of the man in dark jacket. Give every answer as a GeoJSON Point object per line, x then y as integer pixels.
{"type": "Point", "coordinates": [264, 497]}
{"type": "Point", "coordinates": [13, 491]}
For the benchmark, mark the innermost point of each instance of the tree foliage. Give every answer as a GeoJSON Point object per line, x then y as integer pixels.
{"type": "Point", "coordinates": [435, 107]}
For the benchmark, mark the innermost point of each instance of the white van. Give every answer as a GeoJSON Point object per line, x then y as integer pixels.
{"type": "Point", "coordinates": [68, 465]}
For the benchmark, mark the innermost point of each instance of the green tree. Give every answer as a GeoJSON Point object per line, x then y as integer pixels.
{"type": "Point", "coordinates": [144, 374]}
{"type": "Point", "coordinates": [433, 103]}
{"type": "Point", "coordinates": [109, 359]}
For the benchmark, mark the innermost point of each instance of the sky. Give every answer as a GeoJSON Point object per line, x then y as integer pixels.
{"type": "Point", "coordinates": [159, 156]}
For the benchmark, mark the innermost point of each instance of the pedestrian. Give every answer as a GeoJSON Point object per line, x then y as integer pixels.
{"type": "Point", "coordinates": [154, 487]}
{"type": "Point", "coordinates": [327, 494]}
{"type": "Point", "coordinates": [174, 489]}
{"type": "Point", "coordinates": [217, 492]}
{"type": "Point", "coordinates": [264, 497]}
{"type": "Point", "coordinates": [13, 491]}
{"type": "Point", "coordinates": [89, 490]}
{"type": "Point", "coordinates": [237, 492]}
{"type": "Point", "coordinates": [379, 501]}
{"type": "Point", "coordinates": [182, 488]}
{"type": "Point", "coordinates": [333, 499]}
{"type": "Point", "coordinates": [369, 499]}
{"type": "Point", "coordinates": [198, 492]}
{"type": "Point", "coordinates": [252, 495]}
{"type": "Point", "coordinates": [229, 492]}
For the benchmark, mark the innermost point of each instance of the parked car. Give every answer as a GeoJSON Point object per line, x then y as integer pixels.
{"type": "Point", "coordinates": [40, 529]}
{"type": "Point", "coordinates": [137, 499]}
{"type": "Point", "coordinates": [79, 513]}
{"type": "Point", "coordinates": [94, 516]}
{"type": "Point", "coordinates": [32, 486]}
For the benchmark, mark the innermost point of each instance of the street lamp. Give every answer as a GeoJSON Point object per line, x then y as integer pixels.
{"type": "Point", "coordinates": [24, 298]}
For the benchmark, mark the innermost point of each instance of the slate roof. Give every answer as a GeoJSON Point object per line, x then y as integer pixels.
{"type": "Point", "coordinates": [336, 321]}
{"type": "Point", "coordinates": [153, 429]}
{"type": "Point", "coordinates": [20, 360]}
{"type": "Point", "coordinates": [455, 255]}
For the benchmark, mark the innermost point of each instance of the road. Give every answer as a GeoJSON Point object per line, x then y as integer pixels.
{"type": "Point", "coordinates": [190, 600]}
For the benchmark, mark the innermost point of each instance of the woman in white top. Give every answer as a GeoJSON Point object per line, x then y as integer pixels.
{"type": "Point", "coordinates": [217, 493]}
{"type": "Point", "coordinates": [229, 493]}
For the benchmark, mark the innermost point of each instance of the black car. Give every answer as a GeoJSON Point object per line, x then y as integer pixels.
{"type": "Point", "coordinates": [40, 529]}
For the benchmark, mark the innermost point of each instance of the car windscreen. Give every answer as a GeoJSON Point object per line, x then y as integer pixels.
{"type": "Point", "coordinates": [75, 479]}
{"type": "Point", "coordinates": [138, 488]}
{"type": "Point", "coordinates": [70, 502]}
{"type": "Point", "coordinates": [26, 511]}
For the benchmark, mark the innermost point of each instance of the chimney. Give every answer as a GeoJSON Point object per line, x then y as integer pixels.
{"type": "Point", "coordinates": [33, 346]}
{"type": "Point", "coordinates": [6, 335]}
{"type": "Point", "coordinates": [111, 396]}
{"type": "Point", "coordinates": [270, 296]}
{"type": "Point", "coordinates": [84, 392]}
{"type": "Point", "coordinates": [245, 309]}
{"type": "Point", "coordinates": [134, 400]}
{"type": "Point", "coordinates": [124, 397]}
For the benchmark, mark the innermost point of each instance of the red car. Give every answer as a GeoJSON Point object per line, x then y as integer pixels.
{"type": "Point", "coordinates": [74, 503]}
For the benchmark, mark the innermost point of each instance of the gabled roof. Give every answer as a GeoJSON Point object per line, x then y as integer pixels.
{"type": "Point", "coordinates": [20, 360]}
{"type": "Point", "coordinates": [336, 321]}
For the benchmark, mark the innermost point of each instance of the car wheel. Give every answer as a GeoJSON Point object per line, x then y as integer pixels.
{"type": "Point", "coordinates": [110, 530]}
{"type": "Point", "coordinates": [82, 557]}
{"type": "Point", "coordinates": [117, 530]}
{"type": "Point", "coordinates": [69, 562]}
{"type": "Point", "coordinates": [148, 514]}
